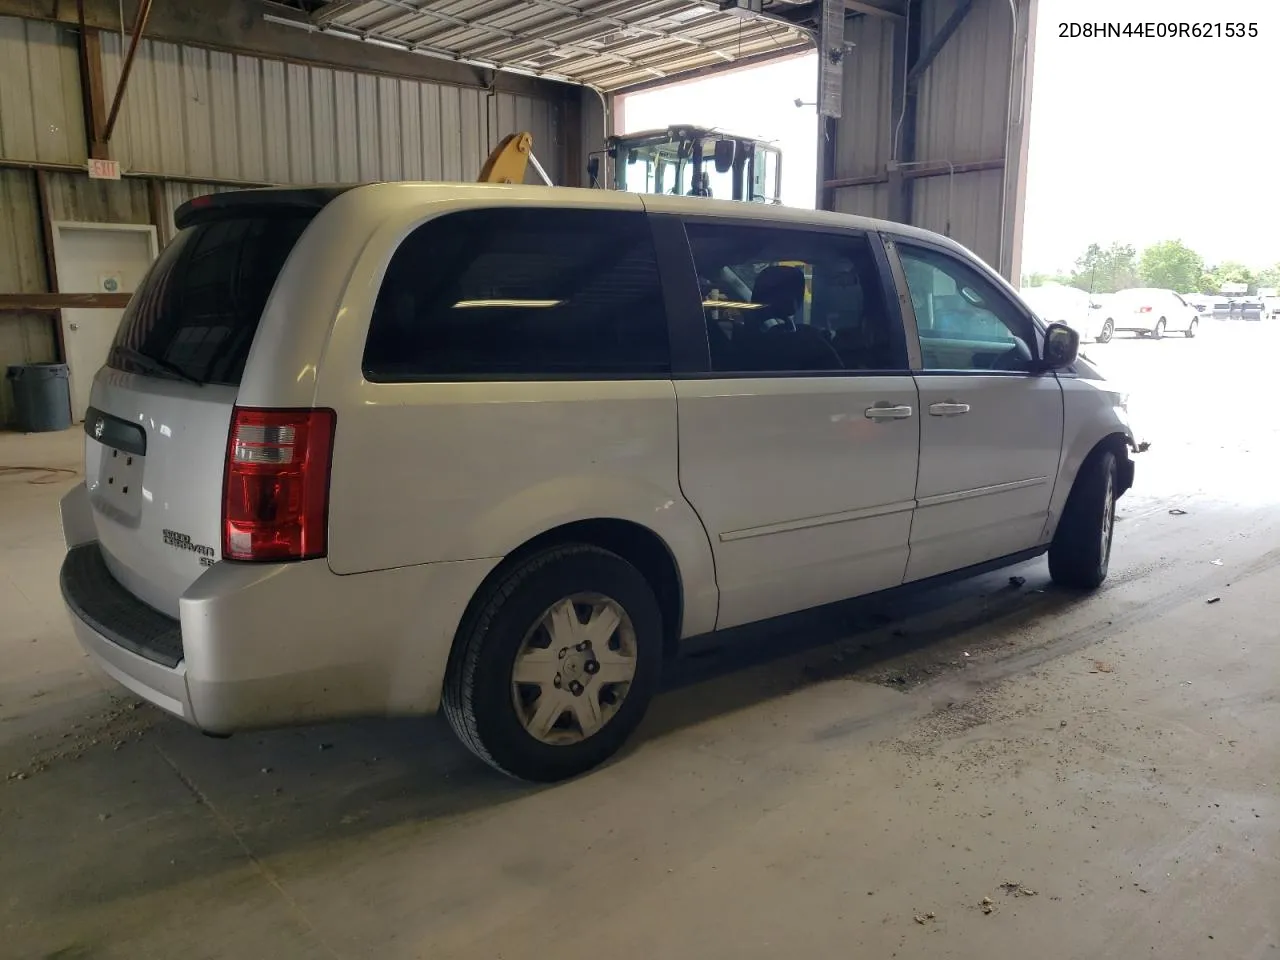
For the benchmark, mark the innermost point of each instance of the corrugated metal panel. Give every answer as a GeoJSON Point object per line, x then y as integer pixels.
{"type": "Point", "coordinates": [600, 42]}
{"type": "Point", "coordinates": [41, 117]}
{"type": "Point", "coordinates": [191, 112]}
{"type": "Point", "coordinates": [965, 207]}
{"type": "Point", "coordinates": [869, 200]}
{"type": "Point", "coordinates": [964, 95]}
{"type": "Point", "coordinates": [24, 338]}
{"type": "Point", "coordinates": [73, 196]}
{"type": "Point", "coordinates": [963, 117]}
{"type": "Point", "coordinates": [864, 135]}
{"type": "Point", "coordinates": [22, 267]}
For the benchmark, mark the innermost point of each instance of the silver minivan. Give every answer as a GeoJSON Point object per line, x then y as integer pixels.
{"type": "Point", "coordinates": [501, 449]}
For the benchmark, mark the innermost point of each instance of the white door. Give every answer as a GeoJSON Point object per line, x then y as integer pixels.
{"type": "Point", "coordinates": [96, 258]}
{"type": "Point", "coordinates": [799, 449]}
{"type": "Point", "coordinates": [990, 429]}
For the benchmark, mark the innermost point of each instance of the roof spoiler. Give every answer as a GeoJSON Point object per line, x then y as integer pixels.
{"type": "Point", "coordinates": [305, 201]}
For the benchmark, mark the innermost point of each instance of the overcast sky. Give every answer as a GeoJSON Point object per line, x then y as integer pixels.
{"type": "Point", "coordinates": [1144, 140]}
{"type": "Point", "coordinates": [1133, 140]}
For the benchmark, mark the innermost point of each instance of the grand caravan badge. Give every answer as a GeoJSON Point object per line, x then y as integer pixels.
{"type": "Point", "coordinates": [182, 541]}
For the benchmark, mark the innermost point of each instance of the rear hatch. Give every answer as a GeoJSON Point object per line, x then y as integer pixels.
{"type": "Point", "coordinates": [160, 410]}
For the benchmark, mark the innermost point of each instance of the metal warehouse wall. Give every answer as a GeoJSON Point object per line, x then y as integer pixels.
{"type": "Point", "coordinates": [963, 113]}
{"type": "Point", "coordinates": [24, 338]}
{"type": "Point", "coordinates": [194, 112]}
{"type": "Point", "coordinates": [41, 116]}
{"type": "Point", "coordinates": [196, 120]}
{"type": "Point", "coordinates": [864, 134]}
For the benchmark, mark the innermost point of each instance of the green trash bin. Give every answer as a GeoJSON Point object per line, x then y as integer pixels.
{"type": "Point", "coordinates": [41, 396]}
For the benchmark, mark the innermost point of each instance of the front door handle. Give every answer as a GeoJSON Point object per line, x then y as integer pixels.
{"type": "Point", "coordinates": [879, 412]}
{"type": "Point", "coordinates": [948, 409]}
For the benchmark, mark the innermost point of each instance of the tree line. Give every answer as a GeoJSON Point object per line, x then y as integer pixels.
{"type": "Point", "coordinates": [1170, 265]}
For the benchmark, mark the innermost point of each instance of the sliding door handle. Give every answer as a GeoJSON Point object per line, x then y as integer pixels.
{"type": "Point", "coordinates": [948, 409]}
{"type": "Point", "coordinates": [879, 412]}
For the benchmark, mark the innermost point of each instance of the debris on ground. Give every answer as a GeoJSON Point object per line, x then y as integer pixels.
{"type": "Point", "coordinates": [1214, 600]}
{"type": "Point", "coordinates": [326, 746]}
{"type": "Point", "coordinates": [925, 917]}
{"type": "Point", "coordinates": [987, 905]}
{"type": "Point", "coordinates": [1216, 563]}
{"type": "Point", "coordinates": [1177, 512]}
{"type": "Point", "coordinates": [1102, 666]}
{"type": "Point", "coordinates": [1016, 889]}
{"type": "Point", "coordinates": [1017, 581]}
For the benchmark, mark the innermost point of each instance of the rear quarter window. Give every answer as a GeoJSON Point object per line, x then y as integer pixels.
{"type": "Point", "coordinates": [518, 292]}
{"type": "Point", "coordinates": [198, 308]}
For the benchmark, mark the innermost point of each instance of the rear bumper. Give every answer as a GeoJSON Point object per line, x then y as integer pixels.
{"type": "Point", "coordinates": [262, 645]}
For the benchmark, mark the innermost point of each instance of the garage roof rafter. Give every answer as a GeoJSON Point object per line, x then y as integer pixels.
{"type": "Point", "coordinates": [608, 44]}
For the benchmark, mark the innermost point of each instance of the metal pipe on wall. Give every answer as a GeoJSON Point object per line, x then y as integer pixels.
{"type": "Point", "coordinates": [1008, 130]}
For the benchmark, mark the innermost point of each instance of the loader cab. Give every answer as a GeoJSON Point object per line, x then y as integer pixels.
{"type": "Point", "coordinates": [696, 161]}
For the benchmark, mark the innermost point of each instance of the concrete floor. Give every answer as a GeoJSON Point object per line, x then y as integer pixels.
{"type": "Point", "coordinates": [999, 770]}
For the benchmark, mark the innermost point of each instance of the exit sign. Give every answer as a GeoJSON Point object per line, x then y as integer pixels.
{"type": "Point", "coordinates": [104, 169]}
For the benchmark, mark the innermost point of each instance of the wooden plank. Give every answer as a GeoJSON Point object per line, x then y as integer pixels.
{"type": "Point", "coordinates": [92, 87]}
{"type": "Point", "coordinates": [39, 302]}
{"type": "Point", "coordinates": [45, 213]}
{"type": "Point", "coordinates": [155, 208]}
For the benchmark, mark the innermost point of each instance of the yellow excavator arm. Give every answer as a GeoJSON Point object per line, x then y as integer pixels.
{"type": "Point", "coordinates": [508, 161]}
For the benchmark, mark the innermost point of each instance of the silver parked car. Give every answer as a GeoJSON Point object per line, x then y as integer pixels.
{"type": "Point", "coordinates": [500, 450]}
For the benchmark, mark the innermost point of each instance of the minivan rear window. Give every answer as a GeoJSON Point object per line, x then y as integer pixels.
{"type": "Point", "coordinates": [195, 315]}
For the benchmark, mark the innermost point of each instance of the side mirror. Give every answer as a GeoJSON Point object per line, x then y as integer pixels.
{"type": "Point", "coordinates": [725, 152]}
{"type": "Point", "coordinates": [1061, 346]}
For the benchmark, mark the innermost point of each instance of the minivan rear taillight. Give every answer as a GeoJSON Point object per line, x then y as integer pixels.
{"type": "Point", "coordinates": [1144, 309]}
{"type": "Point", "coordinates": [275, 499]}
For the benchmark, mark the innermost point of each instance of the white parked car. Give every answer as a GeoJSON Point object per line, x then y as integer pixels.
{"type": "Point", "coordinates": [1151, 312]}
{"type": "Point", "coordinates": [500, 449]}
{"type": "Point", "coordinates": [1055, 303]}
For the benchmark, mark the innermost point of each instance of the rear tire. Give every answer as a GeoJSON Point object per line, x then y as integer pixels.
{"type": "Point", "coordinates": [1190, 332]}
{"type": "Point", "coordinates": [1158, 332]}
{"type": "Point", "coordinates": [498, 717]}
{"type": "Point", "coordinates": [1080, 554]}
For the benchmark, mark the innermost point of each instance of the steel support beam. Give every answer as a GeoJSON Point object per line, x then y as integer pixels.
{"type": "Point", "coordinates": [937, 42]}
{"type": "Point", "coordinates": [92, 88]}
{"type": "Point", "coordinates": [916, 173]}
{"type": "Point", "coordinates": [873, 10]}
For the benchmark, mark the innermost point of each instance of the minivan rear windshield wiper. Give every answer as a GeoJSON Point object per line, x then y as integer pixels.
{"type": "Point", "coordinates": [156, 365]}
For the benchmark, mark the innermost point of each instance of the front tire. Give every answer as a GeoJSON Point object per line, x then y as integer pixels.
{"type": "Point", "coordinates": [555, 666]}
{"type": "Point", "coordinates": [1108, 331]}
{"type": "Point", "coordinates": [1080, 554]}
{"type": "Point", "coordinates": [1190, 332]}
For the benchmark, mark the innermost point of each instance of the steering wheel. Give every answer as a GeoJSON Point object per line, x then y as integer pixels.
{"type": "Point", "coordinates": [1018, 357]}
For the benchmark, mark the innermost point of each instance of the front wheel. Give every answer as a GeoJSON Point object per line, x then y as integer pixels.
{"type": "Point", "coordinates": [1080, 554]}
{"type": "Point", "coordinates": [1190, 332]}
{"type": "Point", "coordinates": [1158, 332]}
{"type": "Point", "coordinates": [555, 667]}
{"type": "Point", "coordinates": [1107, 332]}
